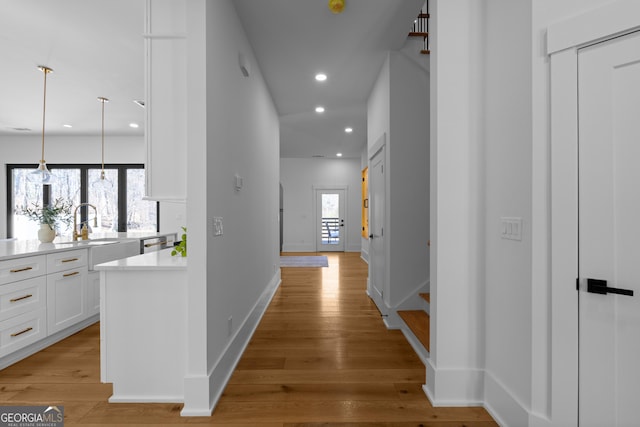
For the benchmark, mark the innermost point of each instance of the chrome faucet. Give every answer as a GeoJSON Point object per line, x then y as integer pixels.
{"type": "Point", "coordinates": [75, 218]}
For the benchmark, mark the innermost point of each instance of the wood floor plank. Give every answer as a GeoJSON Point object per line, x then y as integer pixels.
{"type": "Point", "coordinates": [321, 356]}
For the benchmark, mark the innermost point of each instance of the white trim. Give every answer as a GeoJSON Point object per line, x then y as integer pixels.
{"type": "Point", "coordinates": [456, 387]}
{"type": "Point", "coordinates": [564, 243]}
{"type": "Point", "coordinates": [219, 376]}
{"type": "Point", "coordinates": [563, 40]}
{"type": "Point", "coordinates": [508, 410]}
{"type": "Point", "coordinates": [607, 21]}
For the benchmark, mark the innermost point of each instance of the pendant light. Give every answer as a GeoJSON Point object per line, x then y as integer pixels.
{"type": "Point", "coordinates": [103, 101]}
{"type": "Point", "coordinates": [42, 175]}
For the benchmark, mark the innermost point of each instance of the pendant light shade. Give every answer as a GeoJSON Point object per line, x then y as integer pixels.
{"type": "Point", "coordinates": [42, 175]}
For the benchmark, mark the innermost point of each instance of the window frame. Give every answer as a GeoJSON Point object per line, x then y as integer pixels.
{"type": "Point", "coordinates": [122, 169]}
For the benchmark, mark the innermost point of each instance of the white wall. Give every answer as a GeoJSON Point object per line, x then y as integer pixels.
{"type": "Point", "coordinates": [397, 107]}
{"type": "Point", "coordinates": [233, 129]}
{"type": "Point", "coordinates": [454, 369]}
{"type": "Point", "coordinates": [508, 180]}
{"type": "Point", "coordinates": [67, 149]}
{"type": "Point", "coordinates": [298, 178]}
{"type": "Point", "coordinates": [491, 158]}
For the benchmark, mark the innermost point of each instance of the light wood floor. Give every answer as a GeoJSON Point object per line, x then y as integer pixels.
{"type": "Point", "coordinates": [320, 357]}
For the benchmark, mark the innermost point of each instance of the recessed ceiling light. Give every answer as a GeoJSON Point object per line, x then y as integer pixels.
{"type": "Point", "coordinates": [134, 125]}
{"type": "Point", "coordinates": [339, 154]}
{"type": "Point", "coordinates": [348, 130]}
{"type": "Point", "coordinates": [321, 77]}
{"type": "Point", "coordinates": [319, 109]}
{"type": "Point", "coordinates": [67, 126]}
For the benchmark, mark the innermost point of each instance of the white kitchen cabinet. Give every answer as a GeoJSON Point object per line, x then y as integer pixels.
{"type": "Point", "coordinates": [22, 330]}
{"type": "Point", "coordinates": [22, 296]}
{"type": "Point", "coordinates": [12, 270]}
{"type": "Point", "coordinates": [67, 260]}
{"type": "Point", "coordinates": [93, 293]}
{"type": "Point", "coordinates": [66, 290]}
{"type": "Point", "coordinates": [166, 100]}
{"type": "Point", "coordinates": [143, 327]}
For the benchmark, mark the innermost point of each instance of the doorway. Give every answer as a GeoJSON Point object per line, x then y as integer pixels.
{"type": "Point", "coordinates": [608, 232]}
{"type": "Point", "coordinates": [330, 214]}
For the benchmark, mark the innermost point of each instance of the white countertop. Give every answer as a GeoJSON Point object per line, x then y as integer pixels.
{"type": "Point", "coordinates": [20, 248]}
{"type": "Point", "coordinates": [159, 260]}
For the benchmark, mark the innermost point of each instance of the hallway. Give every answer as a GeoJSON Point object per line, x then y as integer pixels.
{"type": "Point", "coordinates": [320, 356]}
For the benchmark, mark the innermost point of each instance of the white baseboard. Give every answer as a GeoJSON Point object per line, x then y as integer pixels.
{"type": "Point", "coordinates": [298, 247]}
{"type": "Point", "coordinates": [454, 387]}
{"type": "Point", "coordinates": [503, 406]}
{"type": "Point", "coordinates": [146, 399]}
{"type": "Point", "coordinates": [219, 376]}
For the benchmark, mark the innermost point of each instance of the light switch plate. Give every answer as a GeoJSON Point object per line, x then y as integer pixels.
{"type": "Point", "coordinates": [511, 228]}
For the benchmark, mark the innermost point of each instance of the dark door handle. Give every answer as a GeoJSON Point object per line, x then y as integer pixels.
{"type": "Point", "coordinates": [371, 236]}
{"type": "Point", "coordinates": [596, 286]}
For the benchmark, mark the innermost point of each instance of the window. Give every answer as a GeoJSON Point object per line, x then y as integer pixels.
{"type": "Point", "coordinates": [118, 198]}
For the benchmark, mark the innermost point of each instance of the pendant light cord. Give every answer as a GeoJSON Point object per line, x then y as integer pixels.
{"type": "Point", "coordinates": [102, 100]}
{"type": "Point", "coordinates": [46, 71]}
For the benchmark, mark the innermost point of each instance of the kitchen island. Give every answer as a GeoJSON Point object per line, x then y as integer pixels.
{"type": "Point", "coordinates": [49, 291]}
{"type": "Point", "coordinates": [143, 327]}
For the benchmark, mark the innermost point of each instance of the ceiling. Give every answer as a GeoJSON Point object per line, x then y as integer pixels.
{"type": "Point", "coordinates": [95, 49]}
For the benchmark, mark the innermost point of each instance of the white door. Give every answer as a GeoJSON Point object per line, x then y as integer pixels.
{"type": "Point", "coordinates": [376, 229]}
{"type": "Point", "coordinates": [609, 233]}
{"type": "Point", "coordinates": [330, 220]}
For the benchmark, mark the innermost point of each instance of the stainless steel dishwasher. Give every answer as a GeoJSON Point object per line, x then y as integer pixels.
{"type": "Point", "coordinates": [152, 244]}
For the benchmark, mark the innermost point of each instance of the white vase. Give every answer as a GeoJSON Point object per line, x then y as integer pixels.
{"type": "Point", "coordinates": [46, 234]}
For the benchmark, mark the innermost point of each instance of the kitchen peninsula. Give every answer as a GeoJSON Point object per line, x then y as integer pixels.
{"type": "Point", "coordinates": [143, 333]}
{"type": "Point", "coordinates": [49, 291]}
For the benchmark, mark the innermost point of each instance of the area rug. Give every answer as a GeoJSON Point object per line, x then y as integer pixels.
{"type": "Point", "coordinates": [304, 261]}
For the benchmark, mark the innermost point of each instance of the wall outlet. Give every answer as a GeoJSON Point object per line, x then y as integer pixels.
{"type": "Point", "coordinates": [229, 326]}
{"type": "Point", "coordinates": [217, 226]}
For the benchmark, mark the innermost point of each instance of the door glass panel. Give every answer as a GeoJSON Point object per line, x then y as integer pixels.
{"type": "Point", "coordinates": [103, 194]}
{"type": "Point", "coordinates": [142, 215]}
{"type": "Point", "coordinates": [330, 219]}
{"type": "Point", "coordinates": [24, 194]}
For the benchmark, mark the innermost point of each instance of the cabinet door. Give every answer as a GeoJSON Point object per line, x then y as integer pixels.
{"type": "Point", "coordinates": [62, 261]}
{"type": "Point", "coordinates": [66, 298]}
{"type": "Point", "coordinates": [13, 270]}
{"type": "Point", "coordinates": [166, 88]}
{"type": "Point", "coordinates": [22, 296]}
{"type": "Point", "coordinates": [93, 293]}
{"type": "Point", "coordinates": [22, 330]}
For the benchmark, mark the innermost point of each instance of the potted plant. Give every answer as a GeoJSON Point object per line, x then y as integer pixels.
{"type": "Point", "coordinates": [49, 217]}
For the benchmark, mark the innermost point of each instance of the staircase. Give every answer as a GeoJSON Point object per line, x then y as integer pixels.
{"type": "Point", "coordinates": [421, 29]}
{"type": "Point", "coordinates": [418, 323]}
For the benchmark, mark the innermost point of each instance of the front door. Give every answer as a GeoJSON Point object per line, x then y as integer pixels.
{"type": "Point", "coordinates": [609, 232]}
{"type": "Point", "coordinates": [330, 220]}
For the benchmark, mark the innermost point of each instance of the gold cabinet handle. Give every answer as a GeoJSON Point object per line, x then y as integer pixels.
{"type": "Point", "coordinates": [69, 260]}
{"type": "Point", "coordinates": [21, 269]}
{"type": "Point", "coordinates": [71, 274]}
{"type": "Point", "coordinates": [148, 245]}
{"type": "Point", "coordinates": [21, 298]}
{"type": "Point", "coordinates": [22, 332]}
